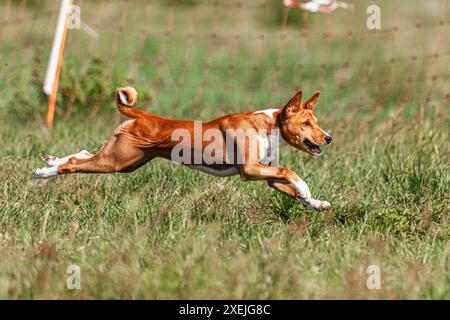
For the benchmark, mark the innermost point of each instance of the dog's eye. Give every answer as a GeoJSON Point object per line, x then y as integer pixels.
{"type": "Point", "coordinates": [306, 123]}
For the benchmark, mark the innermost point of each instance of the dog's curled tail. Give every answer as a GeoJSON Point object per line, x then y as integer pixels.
{"type": "Point", "coordinates": [126, 98]}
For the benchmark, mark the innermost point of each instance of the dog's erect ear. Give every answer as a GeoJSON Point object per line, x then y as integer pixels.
{"type": "Point", "coordinates": [311, 102]}
{"type": "Point", "coordinates": [294, 104]}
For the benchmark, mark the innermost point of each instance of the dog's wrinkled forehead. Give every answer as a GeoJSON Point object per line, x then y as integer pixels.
{"type": "Point", "coordinates": [305, 114]}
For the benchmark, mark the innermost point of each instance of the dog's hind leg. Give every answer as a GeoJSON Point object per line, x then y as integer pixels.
{"type": "Point", "coordinates": [54, 162]}
{"type": "Point", "coordinates": [118, 155]}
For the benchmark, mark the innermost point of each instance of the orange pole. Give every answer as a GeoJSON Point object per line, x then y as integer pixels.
{"type": "Point", "coordinates": [52, 100]}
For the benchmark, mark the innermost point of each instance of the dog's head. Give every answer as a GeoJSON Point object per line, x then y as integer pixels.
{"type": "Point", "coordinates": [300, 128]}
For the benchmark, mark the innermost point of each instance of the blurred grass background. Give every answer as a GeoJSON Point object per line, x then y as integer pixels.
{"type": "Point", "coordinates": [168, 232]}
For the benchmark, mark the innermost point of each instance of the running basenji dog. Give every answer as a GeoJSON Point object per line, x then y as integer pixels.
{"type": "Point", "coordinates": [147, 136]}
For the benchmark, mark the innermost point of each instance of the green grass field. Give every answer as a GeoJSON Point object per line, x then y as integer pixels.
{"type": "Point", "coordinates": [165, 231]}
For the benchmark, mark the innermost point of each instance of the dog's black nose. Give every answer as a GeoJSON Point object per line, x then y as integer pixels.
{"type": "Point", "coordinates": [328, 139]}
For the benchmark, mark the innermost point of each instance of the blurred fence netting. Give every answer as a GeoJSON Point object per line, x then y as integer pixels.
{"type": "Point", "coordinates": [198, 59]}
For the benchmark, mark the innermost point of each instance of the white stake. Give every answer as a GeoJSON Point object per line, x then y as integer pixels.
{"type": "Point", "coordinates": [55, 60]}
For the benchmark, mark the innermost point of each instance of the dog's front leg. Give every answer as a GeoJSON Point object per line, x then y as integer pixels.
{"type": "Point", "coordinates": [275, 176]}
{"type": "Point", "coordinates": [291, 191]}
{"type": "Point", "coordinates": [304, 195]}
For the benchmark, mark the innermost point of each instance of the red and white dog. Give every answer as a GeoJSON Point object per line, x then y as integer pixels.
{"type": "Point", "coordinates": [243, 144]}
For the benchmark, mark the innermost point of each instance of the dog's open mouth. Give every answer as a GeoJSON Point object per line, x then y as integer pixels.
{"type": "Point", "coordinates": [312, 148]}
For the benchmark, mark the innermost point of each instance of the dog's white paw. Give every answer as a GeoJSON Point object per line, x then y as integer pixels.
{"type": "Point", "coordinates": [316, 204]}
{"type": "Point", "coordinates": [50, 160]}
{"type": "Point", "coordinates": [84, 154]}
{"type": "Point", "coordinates": [44, 173]}
{"type": "Point", "coordinates": [320, 205]}
{"type": "Point", "coordinates": [326, 205]}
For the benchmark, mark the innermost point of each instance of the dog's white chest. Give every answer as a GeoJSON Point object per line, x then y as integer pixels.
{"type": "Point", "coordinates": [268, 145]}
{"type": "Point", "coordinates": [268, 148]}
